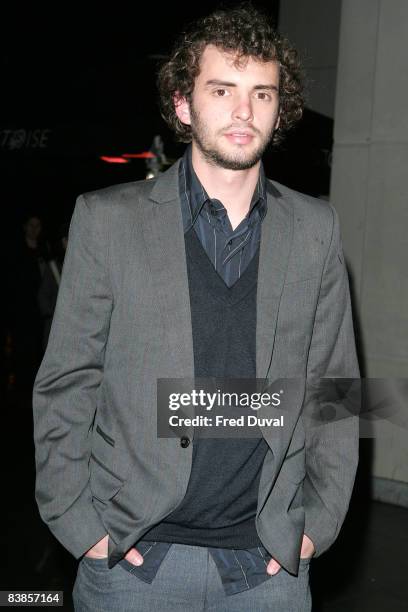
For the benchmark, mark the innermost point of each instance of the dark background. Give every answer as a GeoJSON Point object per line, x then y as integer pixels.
{"type": "Point", "coordinates": [79, 84]}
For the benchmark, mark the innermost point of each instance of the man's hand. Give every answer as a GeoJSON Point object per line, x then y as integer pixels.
{"type": "Point", "coordinates": [134, 556]}
{"type": "Point", "coordinates": [307, 551]}
{"type": "Point", "coordinates": [100, 551]}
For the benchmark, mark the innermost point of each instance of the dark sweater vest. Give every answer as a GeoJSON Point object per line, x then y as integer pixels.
{"type": "Point", "coordinates": [220, 503]}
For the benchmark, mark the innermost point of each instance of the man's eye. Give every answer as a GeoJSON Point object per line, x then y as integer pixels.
{"type": "Point", "coordinates": [220, 92]}
{"type": "Point", "coordinates": [262, 95]}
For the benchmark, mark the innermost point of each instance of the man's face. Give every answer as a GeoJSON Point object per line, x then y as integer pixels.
{"type": "Point", "coordinates": [234, 110]}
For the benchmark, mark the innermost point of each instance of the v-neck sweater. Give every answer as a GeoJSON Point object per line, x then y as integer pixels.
{"type": "Point", "coordinates": [220, 503]}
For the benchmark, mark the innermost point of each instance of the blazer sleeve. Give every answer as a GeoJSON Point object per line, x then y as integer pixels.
{"type": "Point", "coordinates": [331, 445]}
{"type": "Point", "coordinates": [66, 386]}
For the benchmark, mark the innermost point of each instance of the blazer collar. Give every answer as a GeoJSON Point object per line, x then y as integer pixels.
{"type": "Point", "coordinates": [166, 187]}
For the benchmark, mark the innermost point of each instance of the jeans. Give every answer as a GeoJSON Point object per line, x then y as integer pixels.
{"type": "Point", "coordinates": [187, 580]}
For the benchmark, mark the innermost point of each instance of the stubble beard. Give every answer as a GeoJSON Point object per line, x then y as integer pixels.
{"type": "Point", "coordinates": [215, 156]}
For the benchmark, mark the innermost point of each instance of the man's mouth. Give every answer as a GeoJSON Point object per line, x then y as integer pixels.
{"type": "Point", "coordinates": [240, 136]}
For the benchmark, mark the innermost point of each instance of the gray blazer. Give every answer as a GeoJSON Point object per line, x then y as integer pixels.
{"type": "Point", "coordinates": [123, 319]}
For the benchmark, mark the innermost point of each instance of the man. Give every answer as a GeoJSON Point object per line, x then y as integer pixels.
{"type": "Point", "coordinates": [209, 271]}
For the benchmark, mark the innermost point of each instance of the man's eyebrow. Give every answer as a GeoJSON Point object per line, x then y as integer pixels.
{"type": "Point", "coordinates": [230, 84]}
{"type": "Point", "coordinates": [218, 82]}
{"type": "Point", "coordinates": [270, 86]}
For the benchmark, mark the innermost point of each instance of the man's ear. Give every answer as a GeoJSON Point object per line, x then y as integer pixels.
{"type": "Point", "coordinates": [182, 108]}
{"type": "Point", "coordinates": [278, 121]}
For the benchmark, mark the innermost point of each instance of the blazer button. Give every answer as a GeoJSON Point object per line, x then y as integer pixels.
{"type": "Point", "coordinates": [184, 442]}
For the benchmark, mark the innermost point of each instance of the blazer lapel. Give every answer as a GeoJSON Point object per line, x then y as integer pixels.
{"type": "Point", "coordinates": [275, 248]}
{"type": "Point", "coordinates": [276, 243]}
{"type": "Point", "coordinates": [162, 227]}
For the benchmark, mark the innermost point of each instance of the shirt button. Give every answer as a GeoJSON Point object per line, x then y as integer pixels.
{"type": "Point", "coordinates": [229, 242]}
{"type": "Point", "coordinates": [184, 442]}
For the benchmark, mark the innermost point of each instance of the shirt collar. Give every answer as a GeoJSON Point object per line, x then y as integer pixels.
{"type": "Point", "coordinates": [194, 196]}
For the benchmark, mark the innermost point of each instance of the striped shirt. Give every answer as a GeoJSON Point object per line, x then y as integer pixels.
{"type": "Point", "coordinates": [230, 251]}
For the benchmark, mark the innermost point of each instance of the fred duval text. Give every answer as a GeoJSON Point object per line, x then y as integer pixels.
{"type": "Point", "coordinates": [220, 421]}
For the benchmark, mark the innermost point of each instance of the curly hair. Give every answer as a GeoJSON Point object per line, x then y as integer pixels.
{"type": "Point", "coordinates": [246, 32]}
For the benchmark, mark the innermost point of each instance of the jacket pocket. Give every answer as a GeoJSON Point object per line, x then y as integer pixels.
{"type": "Point", "coordinates": [106, 464]}
{"type": "Point", "coordinates": [104, 483]}
{"type": "Point", "coordinates": [105, 436]}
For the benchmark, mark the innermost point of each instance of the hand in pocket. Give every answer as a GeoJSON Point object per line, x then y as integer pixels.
{"type": "Point", "coordinates": [100, 551]}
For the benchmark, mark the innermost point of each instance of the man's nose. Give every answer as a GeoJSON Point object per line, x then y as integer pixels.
{"type": "Point", "coordinates": [243, 109]}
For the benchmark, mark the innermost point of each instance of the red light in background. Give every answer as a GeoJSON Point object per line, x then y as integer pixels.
{"type": "Point", "coordinates": [144, 155]}
{"type": "Point", "coordinates": [114, 160]}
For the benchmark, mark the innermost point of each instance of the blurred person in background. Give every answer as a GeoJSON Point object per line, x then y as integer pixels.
{"type": "Point", "coordinates": [27, 258]}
